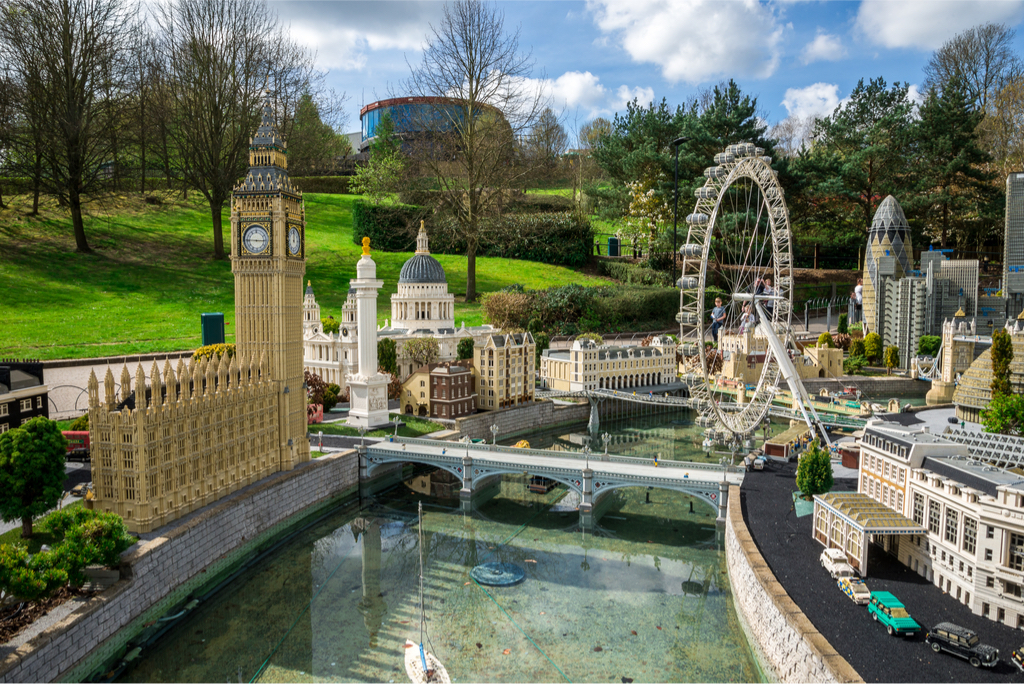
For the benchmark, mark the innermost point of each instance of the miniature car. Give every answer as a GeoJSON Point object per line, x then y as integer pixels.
{"type": "Point", "coordinates": [855, 589]}
{"type": "Point", "coordinates": [834, 560]}
{"type": "Point", "coordinates": [758, 463]}
{"type": "Point", "coordinates": [953, 420]}
{"type": "Point", "coordinates": [962, 642]}
{"type": "Point", "coordinates": [887, 609]}
{"type": "Point", "coordinates": [79, 489]}
{"type": "Point", "coordinates": [1017, 657]}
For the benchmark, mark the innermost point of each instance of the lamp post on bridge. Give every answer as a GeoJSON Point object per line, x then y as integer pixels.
{"type": "Point", "coordinates": [494, 434]}
{"type": "Point", "coordinates": [606, 438]}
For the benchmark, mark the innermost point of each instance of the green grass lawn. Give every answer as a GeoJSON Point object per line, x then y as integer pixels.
{"type": "Point", "coordinates": [41, 534]}
{"type": "Point", "coordinates": [152, 275]}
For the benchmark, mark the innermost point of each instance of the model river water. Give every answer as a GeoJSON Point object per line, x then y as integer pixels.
{"type": "Point", "coordinates": [644, 597]}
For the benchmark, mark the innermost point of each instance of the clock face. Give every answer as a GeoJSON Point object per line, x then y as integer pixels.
{"type": "Point", "coordinates": [294, 242]}
{"type": "Point", "coordinates": [256, 239]}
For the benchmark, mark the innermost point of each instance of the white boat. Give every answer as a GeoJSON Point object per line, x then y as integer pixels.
{"type": "Point", "coordinates": [421, 665]}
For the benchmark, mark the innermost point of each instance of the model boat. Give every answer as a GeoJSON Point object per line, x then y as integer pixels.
{"type": "Point", "coordinates": [421, 665]}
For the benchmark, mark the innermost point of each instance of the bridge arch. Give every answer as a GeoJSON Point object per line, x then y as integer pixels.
{"type": "Point", "coordinates": [374, 463]}
{"type": "Point", "coordinates": [704, 491]}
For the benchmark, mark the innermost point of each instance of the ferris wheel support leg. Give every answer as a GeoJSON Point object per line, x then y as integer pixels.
{"type": "Point", "coordinates": [792, 377]}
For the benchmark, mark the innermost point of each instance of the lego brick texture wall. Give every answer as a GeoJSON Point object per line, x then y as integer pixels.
{"type": "Point", "coordinates": [786, 644]}
{"type": "Point", "coordinates": [164, 569]}
{"type": "Point", "coordinates": [521, 419]}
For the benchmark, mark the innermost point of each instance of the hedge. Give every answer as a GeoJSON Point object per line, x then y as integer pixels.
{"type": "Point", "coordinates": [571, 309]}
{"type": "Point", "coordinates": [634, 274]}
{"type": "Point", "coordinates": [553, 238]}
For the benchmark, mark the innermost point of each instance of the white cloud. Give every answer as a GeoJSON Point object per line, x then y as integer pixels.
{"type": "Point", "coordinates": [825, 47]}
{"type": "Point", "coordinates": [694, 40]}
{"type": "Point", "coordinates": [583, 92]}
{"type": "Point", "coordinates": [915, 95]}
{"type": "Point", "coordinates": [818, 100]}
{"type": "Point", "coordinates": [926, 24]}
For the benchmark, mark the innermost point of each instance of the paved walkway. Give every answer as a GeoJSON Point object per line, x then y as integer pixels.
{"type": "Point", "coordinates": [792, 554]}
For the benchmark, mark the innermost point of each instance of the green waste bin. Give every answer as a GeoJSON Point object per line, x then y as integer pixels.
{"type": "Point", "coordinates": [213, 328]}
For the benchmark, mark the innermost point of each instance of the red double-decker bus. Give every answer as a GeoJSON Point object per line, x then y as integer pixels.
{"type": "Point", "coordinates": [78, 445]}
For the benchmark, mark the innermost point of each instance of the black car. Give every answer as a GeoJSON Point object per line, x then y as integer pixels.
{"type": "Point", "coordinates": [961, 642]}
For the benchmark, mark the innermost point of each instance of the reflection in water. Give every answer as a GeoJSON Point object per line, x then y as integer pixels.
{"type": "Point", "coordinates": [645, 597]}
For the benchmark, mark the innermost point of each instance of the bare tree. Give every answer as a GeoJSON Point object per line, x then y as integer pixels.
{"type": "Point", "coordinates": [982, 58]}
{"type": "Point", "coordinates": [483, 104]}
{"type": "Point", "coordinates": [219, 55]}
{"type": "Point", "coordinates": [70, 58]}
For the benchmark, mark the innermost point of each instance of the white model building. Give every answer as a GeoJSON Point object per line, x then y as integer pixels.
{"type": "Point", "coordinates": [422, 307]}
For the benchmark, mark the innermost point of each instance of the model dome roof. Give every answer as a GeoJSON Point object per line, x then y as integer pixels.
{"type": "Point", "coordinates": [422, 268]}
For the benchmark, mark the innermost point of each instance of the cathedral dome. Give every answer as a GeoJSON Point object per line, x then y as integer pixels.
{"type": "Point", "coordinates": [422, 268]}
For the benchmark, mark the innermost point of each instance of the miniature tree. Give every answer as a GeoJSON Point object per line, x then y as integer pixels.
{"type": "Point", "coordinates": [825, 340]}
{"type": "Point", "coordinates": [21, 579]}
{"type": "Point", "coordinates": [315, 388]}
{"type": "Point", "coordinates": [330, 325]}
{"type": "Point", "coordinates": [857, 348]}
{"type": "Point", "coordinates": [387, 355]}
{"type": "Point", "coordinates": [1002, 356]}
{"type": "Point", "coordinates": [929, 345]}
{"type": "Point", "coordinates": [844, 324]}
{"type": "Point", "coordinates": [873, 346]}
{"type": "Point", "coordinates": [892, 358]}
{"type": "Point", "coordinates": [380, 176]}
{"type": "Point", "coordinates": [543, 341]}
{"type": "Point", "coordinates": [598, 340]}
{"type": "Point", "coordinates": [423, 350]}
{"type": "Point", "coordinates": [465, 349]}
{"type": "Point", "coordinates": [1005, 415]}
{"type": "Point", "coordinates": [31, 471]}
{"type": "Point", "coordinates": [647, 211]}
{"type": "Point", "coordinates": [814, 472]}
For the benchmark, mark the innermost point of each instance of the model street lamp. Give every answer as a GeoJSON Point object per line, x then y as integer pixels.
{"type": "Point", "coordinates": [606, 438]}
{"type": "Point", "coordinates": [494, 434]}
{"type": "Point", "coordinates": [675, 212]}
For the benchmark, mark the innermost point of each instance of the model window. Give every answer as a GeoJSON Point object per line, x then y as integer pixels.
{"type": "Point", "coordinates": [3, 409]}
{"type": "Point", "coordinates": [990, 532]}
{"type": "Point", "coordinates": [934, 516]}
{"type": "Point", "coordinates": [970, 534]}
{"type": "Point", "coordinates": [919, 509]}
{"type": "Point", "coordinates": [39, 402]}
{"type": "Point", "coordinates": [422, 384]}
{"type": "Point", "coordinates": [952, 520]}
{"type": "Point", "coordinates": [902, 474]}
{"type": "Point", "coordinates": [3, 428]}
{"type": "Point", "coordinates": [988, 554]}
{"type": "Point", "coordinates": [26, 404]}
{"type": "Point", "coordinates": [1017, 551]}
{"type": "Point", "coordinates": [990, 581]}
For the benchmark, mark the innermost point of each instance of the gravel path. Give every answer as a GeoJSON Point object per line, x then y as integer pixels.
{"type": "Point", "coordinates": [785, 542]}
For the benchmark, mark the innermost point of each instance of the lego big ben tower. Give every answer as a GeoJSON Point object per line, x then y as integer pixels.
{"type": "Point", "coordinates": [268, 258]}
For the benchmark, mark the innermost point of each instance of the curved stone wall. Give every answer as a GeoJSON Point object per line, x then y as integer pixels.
{"type": "Point", "coordinates": [786, 644]}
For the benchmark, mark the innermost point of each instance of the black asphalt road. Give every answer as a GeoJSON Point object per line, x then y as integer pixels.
{"type": "Point", "coordinates": [787, 546]}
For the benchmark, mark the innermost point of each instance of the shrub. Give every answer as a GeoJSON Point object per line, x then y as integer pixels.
{"type": "Point", "coordinates": [814, 472]}
{"type": "Point", "coordinates": [99, 540]}
{"type": "Point", "coordinates": [60, 521]}
{"type": "Point", "coordinates": [892, 358]}
{"type": "Point", "coordinates": [1002, 357]}
{"type": "Point", "coordinates": [80, 424]}
{"type": "Point", "coordinates": [391, 228]}
{"type": "Point", "coordinates": [1005, 415]}
{"type": "Point", "coordinates": [842, 340]}
{"type": "Point", "coordinates": [330, 325]}
{"type": "Point", "coordinates": [929, 345]}
{"type": "Point", "coordinates": [873, 347]}
{"type": "Point", "coordinates": [633, 274]}
{"type": "Point", "coordinates": [543, 341]}
{"type": "Point", "coordinates": [825, 340]}
{"type": "Point", "coordinates": [859, 327]}
{"type": "Point", "coordinates": [598, 340]}
{"type": "Point", "coordinates": [508, 309]}
{"type": "Point", "coordinates": [465, 349]}
{"type": "Point", "coordinates": [387, 355]}
{"type": "Point", "coordinates": [558, 238]}
{"type": "Point", "coordinates": [857, 348]}
{"type": "Point", "coordinates": [329, 397]}
{"type": "Point", "coordinates": [211, 351]}
{"type": "Point", "coordinates": [23, 577]}
{"type": "Point", "coordinates": [844, 324]}
{"type": "Point", "coordinates": [854, 365]}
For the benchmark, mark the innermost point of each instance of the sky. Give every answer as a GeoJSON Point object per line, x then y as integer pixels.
{"type": "Point", "coordinates": [592, 56]}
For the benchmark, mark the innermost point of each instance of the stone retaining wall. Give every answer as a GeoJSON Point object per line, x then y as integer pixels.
{"type": "Point", "coordinates": [519, 420]}
{"type": "Point", "coordinates": [878, 389]}
{"type": "Point", "coordinates": [787, 646]}
{"type": "Point", "coordinates": [164, 569]}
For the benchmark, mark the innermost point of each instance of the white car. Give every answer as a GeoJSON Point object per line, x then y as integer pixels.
{"type": "Point", "coordinates": [855, 589]}
{"type": "Point", "coordinates": [834, 560]}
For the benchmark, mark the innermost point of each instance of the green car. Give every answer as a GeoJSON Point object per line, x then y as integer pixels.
{"type": "Point", "coordinates": [888, 610]}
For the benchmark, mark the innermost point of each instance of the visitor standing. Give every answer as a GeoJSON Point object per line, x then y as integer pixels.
{"type": "Point", "coordinates": [717, 318]}
{"type": "Point", "coordinates": [858, 306]}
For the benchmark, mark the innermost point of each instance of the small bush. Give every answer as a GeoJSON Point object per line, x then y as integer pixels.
{"type": "Point", "coordinates": [892, 358]}
{"type": "Point", "coordinates": [873, 347]}
{"type": "Point", "coordinates": [465, 349]}
{"type": "Point", "coordinates": [844, 324]}
{"type": "Point", "coordinates": [23, 577]}
{"type": "Point", "coordinates": [543, 341]}
{"type": "Point", "coordinates": [854, 365]}
{"type": "Point", "coordinates": [391, 228]}
{"type": "Point", "coordinates": [825, 340]}
{"type": "Point", "coordinates": [330, 325]}
{"type": "Point", "coordinates": [633, 274]}
{"type": "Point", "coordinates": [842, 340]}
{"type": "Point", "coordinates": [214, 351]}
{"type": "Point", "coordinates": [857, 348]}
{"type": "Point", "coordinates": [330, 185]}
{"type": "Point", "coordinates": [597, 339]}
{"type": "Point", "coordinates": [814, 472]}
{"type": "Point", "coordinates": [929, 345]}
{"type": "Point", "coordinates": [859, 327]}
{"type": "Point", "coordinates": [329, 397]}
{"type": "Point", "coordinates": [80, 424]}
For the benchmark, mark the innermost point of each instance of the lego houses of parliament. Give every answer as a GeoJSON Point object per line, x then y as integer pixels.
{"type": "Point", "coordinates": [175, 441]}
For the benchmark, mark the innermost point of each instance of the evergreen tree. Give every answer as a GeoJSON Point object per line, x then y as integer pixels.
{"type": "Point", "coordinates": [954, 191]}
{"type": "Point", "coordinates": [814, 472]}
{"type": "Point", "coordinates": [892, 358]}
{"type": "Point", "coordinates": [31, 471]}
{"type": "Point", "coordinates": [387, 355]}
{"type": "Point", "coordinates": [1002, 356]}
{"type": "Point", "coordinates": [859, 152]}
{"type": "Point", "coordinates": [465, 349]}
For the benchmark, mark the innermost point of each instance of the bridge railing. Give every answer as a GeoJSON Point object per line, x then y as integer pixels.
{"type": "Point", "coordinates": [455, 447]}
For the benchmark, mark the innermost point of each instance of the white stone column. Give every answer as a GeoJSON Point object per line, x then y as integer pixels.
{"type": "Point", "coordinates": [367, 388]}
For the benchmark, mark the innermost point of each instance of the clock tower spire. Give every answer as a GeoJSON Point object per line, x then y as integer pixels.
{"type": "Point", "coordinates": [268, 259]}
